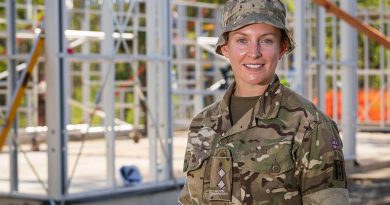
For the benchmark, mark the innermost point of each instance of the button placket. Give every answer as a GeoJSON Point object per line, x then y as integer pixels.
{"type": "Point", "coordinates": [223, 141]}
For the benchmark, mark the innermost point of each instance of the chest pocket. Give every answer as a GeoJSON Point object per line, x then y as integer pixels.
{"type": "Point", "coordinates": [274, 158]}
{"type": "Point", "coordinates": [270, 160]}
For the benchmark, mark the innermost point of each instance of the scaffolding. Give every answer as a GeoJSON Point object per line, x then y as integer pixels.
{"type": "Point", "coordinates": [145, 67]}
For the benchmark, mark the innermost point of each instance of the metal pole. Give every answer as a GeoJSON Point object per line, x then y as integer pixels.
{"type": "Point", "coordinates": [366, 70]}
{"type": "Point", "coordinates": [199, 74]}
{"type": "Point", "coordinates": [108, 79]}
{"type": "Point", "coordinates": [12, 84]}
{"type": "Point", "coordinates": [368, 30]}
{"type": "Point", "coordinates": [300, 51]}
{"type": "Point", "coordinates": [335, 88]}
{"type": "Point", "coordinates": [135, 66]}
{"type": "Point", "coordinates": [55, 99]}
{"type": "Point", "coordinates": [181, 54]}
{"type": "Point", "coordinates": [321, 74]}
{"type": "Point", "coordinates": [309, 83]}
{"type": "Point", "coordinates": [388, 63]}
{"type": "Point", "coordinates": [382, 68]}
{"type": "Point", "coordinates": [152, 85]}
{"type": "Point", "coordinates": [85, 64]}
{"type": "Point", "coordinates": [349, 81]}
{"type": "Point", "coordinates": [164, 91]}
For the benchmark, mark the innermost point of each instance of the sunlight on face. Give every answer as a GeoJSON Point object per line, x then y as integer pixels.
{"type": "Point", "coordinates": [254, 52]}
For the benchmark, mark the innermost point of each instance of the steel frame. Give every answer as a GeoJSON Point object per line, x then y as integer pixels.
{"type": "Point", "coordinates": [312, 68]}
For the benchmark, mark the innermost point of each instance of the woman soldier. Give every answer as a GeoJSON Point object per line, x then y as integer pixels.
{"type": "Point", "coordinates": [262, 143]}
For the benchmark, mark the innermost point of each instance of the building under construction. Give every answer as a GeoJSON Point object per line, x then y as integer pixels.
{"type": "Point", "coordinates": [96, 96]}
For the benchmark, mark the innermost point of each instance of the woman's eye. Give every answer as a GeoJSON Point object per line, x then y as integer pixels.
{"type": "Point", "coordinates": [266, 42]}
{"type": "Point", "coordinates": [241, 40]}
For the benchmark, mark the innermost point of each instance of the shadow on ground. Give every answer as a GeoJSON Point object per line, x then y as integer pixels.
{"type": "Point", "coordinates": [370, 185]}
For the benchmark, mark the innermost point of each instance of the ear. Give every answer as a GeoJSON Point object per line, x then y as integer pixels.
{"type": "Point", "coordinates": [283, 49]}
{"type": "Point", "coordinates": [224, 51]}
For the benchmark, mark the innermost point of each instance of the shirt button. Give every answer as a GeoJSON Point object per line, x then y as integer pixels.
{"type": "Point", "coordinates": [275, 168]}
{"type": "Point", "coordinates": [223, 141]}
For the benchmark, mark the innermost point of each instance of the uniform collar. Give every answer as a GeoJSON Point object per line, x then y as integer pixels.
{"type": "Point", "coordinates": [267, 106]}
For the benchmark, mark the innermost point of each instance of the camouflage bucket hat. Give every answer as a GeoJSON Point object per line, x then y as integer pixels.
{"type": "Point", "coordinates": [239, 13]}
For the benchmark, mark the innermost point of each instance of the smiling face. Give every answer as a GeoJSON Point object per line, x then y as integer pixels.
{"type": "Point", "coordinates": [254, 52]}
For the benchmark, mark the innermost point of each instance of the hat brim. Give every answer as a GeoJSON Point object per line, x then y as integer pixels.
{"type": "Point", "coordinates": [253, 18]}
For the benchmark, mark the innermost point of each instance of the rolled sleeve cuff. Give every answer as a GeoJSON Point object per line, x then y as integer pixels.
{"type": "Point", "coordinates": [330, 196]}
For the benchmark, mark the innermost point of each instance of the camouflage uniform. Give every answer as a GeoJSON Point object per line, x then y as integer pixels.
{"type": "Point", "coordinates": [282, 151]}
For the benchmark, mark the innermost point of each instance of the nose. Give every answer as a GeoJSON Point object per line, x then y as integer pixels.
{"type": "Point", "coordinates": [254, 50]}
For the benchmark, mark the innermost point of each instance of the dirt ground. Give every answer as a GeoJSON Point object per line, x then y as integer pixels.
{"type": "Point", "coordinates": [369, 192]}
{"type": "Point", "coordinates": [370, 185]}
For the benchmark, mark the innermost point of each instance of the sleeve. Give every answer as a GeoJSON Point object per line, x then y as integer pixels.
{"type": "Point", "coordinates": [196, 153]}
{"type": "Point", "coordinates": [185, 197]}
{"type": "Point", "coordinates": [321, 167]}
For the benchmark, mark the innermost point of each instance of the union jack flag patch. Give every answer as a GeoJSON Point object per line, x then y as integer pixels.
{"type": "Point", "coordinates": [335, 144]}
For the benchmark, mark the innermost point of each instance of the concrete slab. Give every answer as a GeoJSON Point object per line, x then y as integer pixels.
{"type": "Point", "coordinates": [369, 182]}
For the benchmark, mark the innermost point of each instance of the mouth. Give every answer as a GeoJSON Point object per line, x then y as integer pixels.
{"type": "Point", "coordinates": [254, 66]}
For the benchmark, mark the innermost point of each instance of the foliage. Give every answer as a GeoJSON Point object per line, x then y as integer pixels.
{"type": "Point", "coordinates": [371, 4]}
{"type": "Point", "coordinates": [289, 4]}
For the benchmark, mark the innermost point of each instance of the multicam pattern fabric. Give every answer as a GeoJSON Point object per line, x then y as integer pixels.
{"type": "Point", "coordinates": [280, 152]}
{"type": "Point", "coordinates": [239, 13]}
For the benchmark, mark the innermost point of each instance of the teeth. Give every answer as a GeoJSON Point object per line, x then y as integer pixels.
{"type": "Point", "coordinates": [254, 66]}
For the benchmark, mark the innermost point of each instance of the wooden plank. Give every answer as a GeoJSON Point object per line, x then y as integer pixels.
{"type": "Point", "coordinates": [17, 98]}
{"type": "Point", "coordinates": [368, 30]}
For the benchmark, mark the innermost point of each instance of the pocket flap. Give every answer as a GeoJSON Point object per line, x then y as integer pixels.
{"type": "Point", "coordinates": [198, 148]}
{"type": "Point", "coordinates": [273, 162]}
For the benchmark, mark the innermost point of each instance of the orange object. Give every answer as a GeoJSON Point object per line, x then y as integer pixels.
{"type": "Point", "coordinates": [373, 107]}
{"type": "Point", "coordinates": [20, 90]}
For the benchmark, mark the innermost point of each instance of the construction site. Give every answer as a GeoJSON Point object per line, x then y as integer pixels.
{"type": "Point", "coordinates": [96, 96]}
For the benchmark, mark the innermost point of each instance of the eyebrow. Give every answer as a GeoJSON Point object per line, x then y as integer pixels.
{"type": "Point", "coordinates": [265, 34]}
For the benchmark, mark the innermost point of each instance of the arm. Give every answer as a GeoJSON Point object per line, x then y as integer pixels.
{"type": "Point", "coordinates": [321, 169]}
{"type": "Point", "coordinates": [185, 197]}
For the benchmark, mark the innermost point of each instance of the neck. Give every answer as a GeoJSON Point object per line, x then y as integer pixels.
{"type": "Point", "coordinates": [256, 90]}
